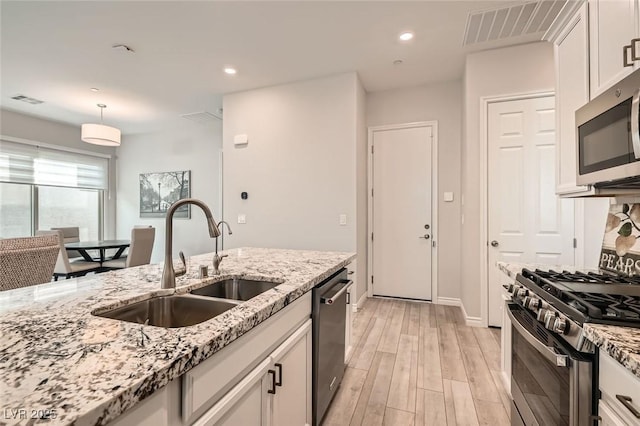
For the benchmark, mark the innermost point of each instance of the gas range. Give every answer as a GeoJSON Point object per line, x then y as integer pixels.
{"type": "Point", "coordinates": [564, 301]}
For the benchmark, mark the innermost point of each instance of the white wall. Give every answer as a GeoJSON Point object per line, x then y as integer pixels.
{"type": "Point", "coordinates": [299, 168]}
{"type": "Point", "coordinates": [37, 129]}
{"type": "Point", "coordinates": [361, 190]}
{"type": "Point", "coordinates": [443, 103]}
{"type": "Point", "coordinates": [512, 70]}
{"type": "Point", "coordinates": [184, 146]}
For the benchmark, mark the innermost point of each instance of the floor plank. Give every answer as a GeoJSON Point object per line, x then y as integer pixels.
{"type": "Point", "coordinates": [437, 371]}
{"type": "Point", "coordinates": [441, 315]}
{"type": "Point", "coordinates": [366, 350]}
{"type": "Point", "coordinates": [450, 356]}
{"type": "Point", "coordinates": [491, 414]}
{"type": "Point", "coordinates": [490, 347]}
{"type": "Point", "coordinates": [363, 400]}
{"type": "Point", "coordinates": [463, 402]}
{"type": "Point", "coordinates": [391, 334]}
{"type": "Point", "coordinates": [429, 366]}
{"type": "Point", "coordinates": [374, 411]}
{"type": "Point", "coordinates": [411, 323]}
{"type": "Point", "coordinates": [478, 375]}
{"type": "Point", "coordinates": [394, 417]}
{"type": "Point", "coordinates": [402, 394]}
{"type": "Point", "coordinates": [504, 396]}
{"type": "Point", "coordinates": [344, 403]}
{"type": "Point", "coordinates": [449, 405]}
{"type": "Point", "coordinates": [428, 315]}
{"type": "Point", "coordinates": [430, 409]}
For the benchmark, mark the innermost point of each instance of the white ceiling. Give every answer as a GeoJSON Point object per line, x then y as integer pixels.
{"type": "Point", "coordinates": [56, 51]}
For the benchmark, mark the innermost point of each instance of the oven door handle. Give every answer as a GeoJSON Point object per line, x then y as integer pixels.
{"type": "Point", "coordinates": [635, 124]}
{"type": "Point", "coordinates": [548, 352]}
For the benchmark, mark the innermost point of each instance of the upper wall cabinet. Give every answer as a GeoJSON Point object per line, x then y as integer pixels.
{"type": "Point", "coordinates": [572, 91]}
{"type": "Point", "coordinates": [612, 26]}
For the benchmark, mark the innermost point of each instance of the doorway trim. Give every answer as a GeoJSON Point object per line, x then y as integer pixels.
{"type": "Point", "coordinates": [485, 101]}
{"type": "Point", "coordinates": [434, 199]}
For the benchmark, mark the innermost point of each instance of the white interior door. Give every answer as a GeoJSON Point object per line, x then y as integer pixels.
{"type": "Point", "coordinates": [401, 212]}
{"type": "Point", "coordinates": [527, 222]}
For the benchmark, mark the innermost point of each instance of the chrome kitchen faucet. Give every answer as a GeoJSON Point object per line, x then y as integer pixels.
{"type": "Point", "coordinates": [168, 273]}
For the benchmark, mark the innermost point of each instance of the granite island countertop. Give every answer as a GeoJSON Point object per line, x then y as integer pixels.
{"type": "Point", "coordinates": [55, 355]}
{"type": "Point", "coordinates": [621, 343]}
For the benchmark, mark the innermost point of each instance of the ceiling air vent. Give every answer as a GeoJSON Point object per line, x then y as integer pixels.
{"type": "Point", "coordinates": [23, 98]}
{"type": "Point", "coordinates": [203, 117]}
{"type": "Point", "coordinates": [520, 20]}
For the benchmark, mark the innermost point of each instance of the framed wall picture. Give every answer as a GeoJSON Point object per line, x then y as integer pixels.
{"type": "Point", "coordinates": [159, 190]}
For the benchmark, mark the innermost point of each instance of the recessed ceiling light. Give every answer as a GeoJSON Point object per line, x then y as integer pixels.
{"type": "Point", "coordinates": [230, 70]}
{"type": "Point", "coordinates": [397, 62]}
{"type": "Point", "coordinates": [94, 89]}
{"type": "Point", "coordinates": [406, 36]}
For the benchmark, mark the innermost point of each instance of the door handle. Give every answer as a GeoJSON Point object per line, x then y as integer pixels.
{"type": "Point", "coordinates": [626, 401]}
{"type": "Point", "coordinates": [272, 373]}
{"type": "Point", "coordinates": [425, 236]}
{"type": "Point", "coordinates": [494, 243]}
{"type": "Point", "coordinates": [626, 50]}
{"type": "Point", "coordinates": [635, 55]}
{"type": "Point", "coordinates": [278, 382]}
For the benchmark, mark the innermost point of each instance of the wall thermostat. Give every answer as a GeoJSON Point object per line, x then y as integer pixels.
{"type": "Point", "coordinates": [244, 195]}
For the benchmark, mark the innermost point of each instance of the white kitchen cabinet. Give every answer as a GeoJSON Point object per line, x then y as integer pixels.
{"type": "Point", "coordinates": [616, 382]}
{"type": "Point", "coordinates": [245, 404]}
{"type": "Point", "coordinates": [276, 392]}
{"type": "Point", "coordinates": [607, 416]}
{"type": "Point", "coordinates": [572, 91]}
{"type": "Point", "coordinates": [291, 402]}
{"type": "Point", "coordinates": [612, 25]}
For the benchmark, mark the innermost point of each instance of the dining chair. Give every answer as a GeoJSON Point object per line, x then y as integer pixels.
{"type": "Point", "coordinates": [71, 234]}
{"type": "Point", "coordinates": [27, 261]}
{"type": "Point", "coordinates": [139, 251]}
{"type": "Point", "coordinates": [65, 267]}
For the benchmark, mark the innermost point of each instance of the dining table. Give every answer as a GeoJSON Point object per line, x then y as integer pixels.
{"type": "Point", "coordinates": [101, 245]}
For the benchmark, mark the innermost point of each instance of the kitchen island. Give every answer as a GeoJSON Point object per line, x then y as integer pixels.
{"type": "Point", "coordinates": [56, 356]}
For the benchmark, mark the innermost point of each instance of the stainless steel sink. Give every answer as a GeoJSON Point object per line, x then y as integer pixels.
{"type": "Point", "coordinates": [236, 289]}
{"type": "Point", "coordinates": [170, 311]}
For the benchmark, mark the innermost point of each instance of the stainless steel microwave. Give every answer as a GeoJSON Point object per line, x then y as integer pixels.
{"type": "Point", "coordinates": [608, 137]}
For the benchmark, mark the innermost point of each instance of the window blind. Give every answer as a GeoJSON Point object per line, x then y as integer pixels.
{"type": "Point", "coordinates": [31, 164]}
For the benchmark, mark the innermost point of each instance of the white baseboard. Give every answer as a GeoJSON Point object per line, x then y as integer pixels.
{"type": "Point", "coordinates": [471, 321]}
{"type": "Point", "coordinates": [452, 301]}
{"type": "Point", "coordinates": [449, 301]}
{"type": "Point", "coordinates": [360, 303]}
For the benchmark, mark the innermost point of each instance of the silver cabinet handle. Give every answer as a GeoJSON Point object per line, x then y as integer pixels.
{"type": "Point", "coordinates": [626, 401]}
{"type": "Point", "coordinates": [425, 236]}
{"type": "Point", "coordinates": [635, 125]}
{"type": "Point", "coordinates": [494, 243]}
{"type": "Point", "coordinates": [335, 297]}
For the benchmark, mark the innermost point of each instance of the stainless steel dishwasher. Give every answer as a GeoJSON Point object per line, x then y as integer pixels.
{"type": "Point", "coordinates": [329, 315]}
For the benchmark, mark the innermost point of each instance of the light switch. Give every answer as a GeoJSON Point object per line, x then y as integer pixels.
{"type": "Point", "coordinates": [448, 196]}
{"type": "Point", "coordinates": [242, 218]}
{"type": "Point", "coordinates": [241, 140]}
{"type": "Point", "coordinates": [343, 219]}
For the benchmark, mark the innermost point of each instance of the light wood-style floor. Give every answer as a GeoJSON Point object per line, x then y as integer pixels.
{"type": "Point", "coordinates": [418, 364]}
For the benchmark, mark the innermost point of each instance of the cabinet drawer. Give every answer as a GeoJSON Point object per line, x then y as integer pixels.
{"type": "Point", "coordinates": [210, 380]}
{"type": "Point", "coordinates": [616, 380]}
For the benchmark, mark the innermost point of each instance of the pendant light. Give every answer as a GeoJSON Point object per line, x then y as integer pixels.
{"type": "Point", "coordinates": [99, 134]}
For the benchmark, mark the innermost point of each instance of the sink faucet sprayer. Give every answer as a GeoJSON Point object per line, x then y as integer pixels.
{"type": "Point", "coordinates": [168, 273]}
{"type": "Point", "coordinates": [217, 260]}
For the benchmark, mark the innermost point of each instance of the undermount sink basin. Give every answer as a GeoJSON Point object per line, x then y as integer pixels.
{"type": "Point", "coordinates": [236, 289]}
{"type": "Point", "coordinates": [170, 311]}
